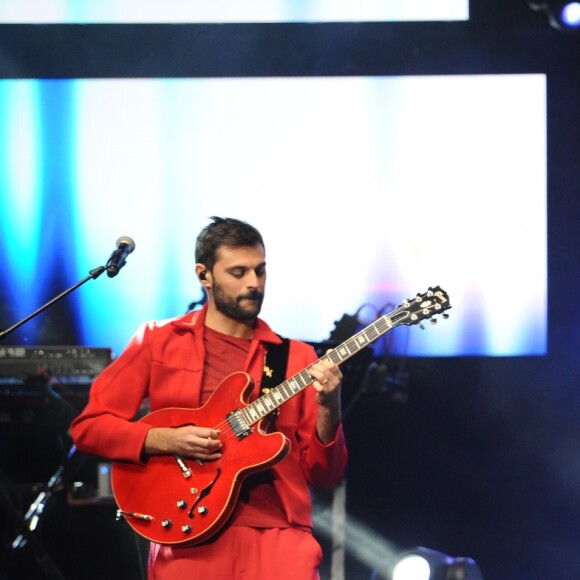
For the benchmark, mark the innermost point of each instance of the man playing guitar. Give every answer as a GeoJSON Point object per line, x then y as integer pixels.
{"type": "Point", "coordinates": [248, 509]}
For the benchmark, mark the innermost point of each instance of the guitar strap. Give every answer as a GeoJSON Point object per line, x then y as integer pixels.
{"type": "Point", "coordinates": [275, 363]}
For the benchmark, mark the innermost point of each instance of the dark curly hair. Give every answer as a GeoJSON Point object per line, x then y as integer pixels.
{"type": "Point", "coordinates": [229, 232]}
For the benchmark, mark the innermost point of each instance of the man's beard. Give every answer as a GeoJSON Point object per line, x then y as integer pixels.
{"type": "Point", "coordinates": [233, 307]}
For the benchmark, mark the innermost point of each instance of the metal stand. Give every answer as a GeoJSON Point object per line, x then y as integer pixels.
{"type": "Point", "coordinates": [25, 534]}
{"type": "Point", "coordinates": [376, 380]}
{"type": "Point", "coordinates": [93, 275]}
{"type": "Point", "coordinates": [26, 526]}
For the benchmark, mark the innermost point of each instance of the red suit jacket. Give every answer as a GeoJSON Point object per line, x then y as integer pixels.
{"type": "Point", "coordinates": [164, 364]}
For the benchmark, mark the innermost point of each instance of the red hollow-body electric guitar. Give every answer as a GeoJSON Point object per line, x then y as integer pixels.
{"type": "Point", "coordinates": [179, 501]}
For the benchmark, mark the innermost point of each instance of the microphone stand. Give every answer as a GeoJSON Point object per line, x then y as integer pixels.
{"type": "Point", "coordinates": [26, 528]}
{"type": "Point", "coordinates": [38, 550]}
{"type": "Point", "coordinates": [93, 275]}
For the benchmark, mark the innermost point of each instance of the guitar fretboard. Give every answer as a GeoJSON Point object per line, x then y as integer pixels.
{"type": "Point", "coordinates": [279, 395]}
{"type": "Point", "coordinates": [434, 301]}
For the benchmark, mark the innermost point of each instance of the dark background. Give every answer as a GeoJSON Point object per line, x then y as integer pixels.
{"type": "Point", "coordinates": [472, 456]}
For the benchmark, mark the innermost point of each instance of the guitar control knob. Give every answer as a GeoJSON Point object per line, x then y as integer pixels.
{"type": "Point", "coordinates": [186, 529]}
{"type": "Point", "coordinates": [166, 524]}
{"type": "Point", "coordinates": [202, 510]}
{"type": "Point", "coordinates": [181, 504]}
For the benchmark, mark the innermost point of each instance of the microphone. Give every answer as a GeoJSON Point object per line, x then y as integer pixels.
{"type": "Point", "coordinates": [125, 245]}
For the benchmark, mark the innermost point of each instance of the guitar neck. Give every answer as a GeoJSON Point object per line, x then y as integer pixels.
{"type": "Point", "coordinates": [289, 388]}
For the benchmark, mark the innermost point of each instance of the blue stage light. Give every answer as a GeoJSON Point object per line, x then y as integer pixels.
{"type": "Point", "coordinates": [570, 15]}
{"type": "Point", "coordinates": [562, 15]}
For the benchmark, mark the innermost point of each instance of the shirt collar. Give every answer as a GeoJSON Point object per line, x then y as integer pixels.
{"type": "Point", "coordinates": [194, 322]}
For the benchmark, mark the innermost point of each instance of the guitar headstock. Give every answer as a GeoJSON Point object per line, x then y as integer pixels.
{"type": "Point", "coordinates": [424, 306]}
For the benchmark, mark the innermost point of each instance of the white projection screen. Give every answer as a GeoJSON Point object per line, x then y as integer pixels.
{"type": "Point", "coordinates": [367, 190]}
{"type": "Point", "coordinates": [254, 11]}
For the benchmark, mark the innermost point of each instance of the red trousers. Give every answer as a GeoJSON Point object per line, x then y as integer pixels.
{"type": "Point", "coordinates": [241, 552]}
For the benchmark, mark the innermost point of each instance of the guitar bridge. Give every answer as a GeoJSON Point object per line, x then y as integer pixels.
{"type": "Point", "coordinates": [240, 428]}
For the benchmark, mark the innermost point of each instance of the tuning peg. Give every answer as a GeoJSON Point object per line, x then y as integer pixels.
{"type": "Point", "coordinates": [445, 315]}
{"type": "Point", "coordinates": [433, 321]}
{"type": "Point", "coordinates": [421, 326]}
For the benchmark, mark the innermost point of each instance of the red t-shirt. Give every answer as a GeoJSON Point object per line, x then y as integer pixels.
{"type": "Point", "coordinates": [259, 504]}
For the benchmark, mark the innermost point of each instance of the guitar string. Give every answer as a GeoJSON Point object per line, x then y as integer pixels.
{"type": "Point", "coordinates": [227, 431]}
{"type": "Point", "coordinates": [225, 428]}
{"type": "Point", "coordinates": [334, 356]}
